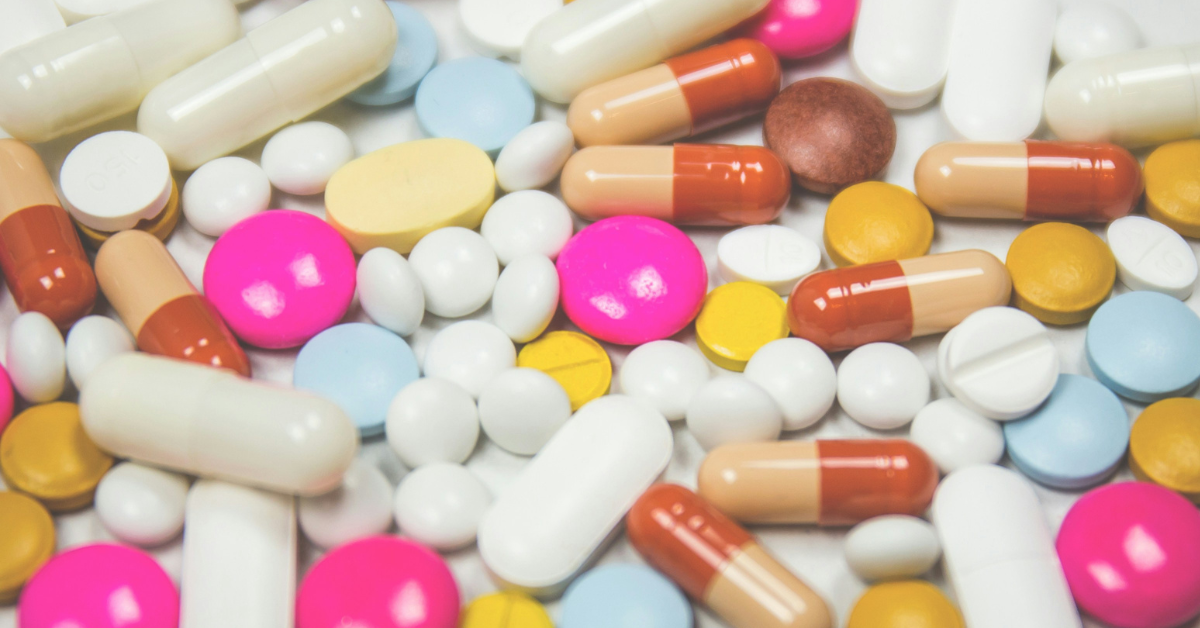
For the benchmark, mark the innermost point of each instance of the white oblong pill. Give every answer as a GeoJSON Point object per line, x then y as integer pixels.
{"type": "Point", "coordinates": [440, 505]}
{"type": "Point", "coordinates": [223, 192]}
{"type": "Point", "coordinates": [91, 341]}
{"type": "Point", "coordinates": [529, 222]}
{"type": "Point", "coordinates": [390, 292]}
{"type": "Point", "coordinates": [301, 158]}
{"type": "Point", "coordinates": [458, 271]}
{"type": "Point", "coordinates": [114, 180]}
{"type": "Point", "coordinates": [499, 27]}
{"type": "Point", "coordinates": [356, 509]}
{"type": "Point", "coordinates": [470, 354]}
{"type": "Point", "coordinates": [141, 505]}
{"type": "Point", "coordinates": [733, 409]}
{"type": "Point", "coordinates": [891, 547]}
{"type": "Point", "coordinates": [432, 420]}
{"type": "Point", "coordinates": [901, 50]}
{"type": "Point", "coordinates": [535, 156]}
{"type": "Point", "coordinates": [955, 436]}
{"type": "Point", "coordinates": [1086, 30]}
{"type": "Point", "coordinates": [665, 373]}
{"type": "Point", "coordinates": [522, 408]}
{"type": "Point", "coordinates": [799, 376]}
{"type": "Point", "coordinates": [80, 10]}
{"type": "Point", "coordinates": [27, 20]}
{"type": "Point", "coordinates": [1152, 256]}
{"type": "Point", "coordinates": [882, 385]}
{"type": "Point", "coordinates": [36, 358]}
{"type": "Point", "coordinates": [771, 255]}
{"type": "Point", "coordinates": [526, 297]}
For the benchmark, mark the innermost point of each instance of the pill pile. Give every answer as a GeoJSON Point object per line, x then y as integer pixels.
{"type": "Point", "coordinates": [599, 314]}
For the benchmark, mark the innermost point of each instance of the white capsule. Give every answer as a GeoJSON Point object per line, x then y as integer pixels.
{"type": "Point", "coordinates": [432, 420]}
{"type": "Point", "coordinates": [390, 292]}
{"type": "Point", "coordinates": [300, 159]}
{"type": "Point", "coordinates": [892, 547]}
{"type": "Point", "coordinates": [799, 376]}
{"type": "Point", "coordinates": [902, 49]}
{"type": "Point", "coordinates": [1152, 256]}
{"type": "Point", "coordinates": [223, 192]}
{"type": "Point", "coordinates": [441, 505]}
{"type": "Point", "coordinates": [954, 436]}
{"type": "Point", "coordinates": [666, 374]}
{"type": "Point", "coordinates": [732, 409]}
{"type": "Point", "coordinates": [470, 354]}
{"type": "Point", "coordinates": [458, 271]}
{"type": "Point", "coordinates": [535, 156]}
{"type": "Point", "coordinates": [770, 255]}
{"type": "Point", "coordinates": [36, 358]}
{"type": "Point", "coordinates": [499, 27]}
{"type": "Point", "coordinates": [521, 408]}
{"type": "Point", "coordinates": [141, 505]}
{"type": "Point", "coordinates": [529, 222]}
{"type": "Point", "coordinates": [526, 297]}
{"type": "Point", "coordinates": [91, 342]}
{"type": "Point", "coordinates": [27, 20]}
{"type": "Point", "coordinates": [356, 509]}
{"type": "Point", "coordinates": [882, 385]}
{"type": "Point", "coordinates": [1087, 30]}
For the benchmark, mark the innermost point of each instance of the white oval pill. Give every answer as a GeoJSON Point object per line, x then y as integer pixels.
{"type": "Point", "coordinates": [530, 222]}
{"type": "Point", "coordinates": [114, 180]}
{"type": "Point", "coordinates": [432, 420]}
{"type": "Point", "coordinates": [390, 292]}
{"type": "Point", "coordinates": [36, 358]}
{"type": "Point", "coordinates": [1152, 256]}
{"type": "Point", "coordinates": [141, 505]}
{"type": "Point", "coordinates": [882, 385]}
{"type": "Point", "coordinates": [356, 509]}
{"type": "Point", "coordinates": [521, 408]}
{"type": "Point", "coordinates": [470, 354]}
{"type": "Point", "coordinates": [499, 27]}
{"type": "Point", "coordinates": [1087, 30]}
{"type": "Point", "coordinates": [535, 156]}
{"type": "Point", "coordinates": [799, 376]}
{"type": "Point", "coordinates": [526, 297]}
{"type": "Point", "coordinates": [892, 547]}
{"type": "Point", "coordinates": [223, 192]}
{"type": "Point", "coordinates": [733, 409]}
{"type": "Point", "coordinates": [665, 373]}
{"type": "Point", "coordinates": [302, 158]}
{"type": "Point", "coordinates": [457, 269]}
{"type": "Point", "coordinates": [91, 341]}
{"type": "Point", "coordinates": [771, 255]}
{"type": "Point", "coordinates": [999, 362]}
{"type": "Point", "coordinates": [955, 436]}
{"type": "Point", "coordinates": [441, 505]}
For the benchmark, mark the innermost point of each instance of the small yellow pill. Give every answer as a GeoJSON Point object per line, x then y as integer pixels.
{"type": "Point", "coordinates": [505, 609]}
{"type": "Point", "coordinates": [1172, 175]}
{"type": "Point", "coordinates": [574, 360]}
{"type": "Point", "coordinates": [876, 222]}
{"type": "Point", "coordinates": [904, 604]}
{"type": "Point", "coordinates": [736, 319]}
{"type": "Point", "coordinates": [26, 541]}
{"type": "Point", "coordinates": [45, 453]}
{"type": "Point", "coordinates": [1060, 273]}
{"type": "Point", "coordinates": [1164, 446]}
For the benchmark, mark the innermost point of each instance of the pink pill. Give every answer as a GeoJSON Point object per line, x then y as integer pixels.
{"type": "Point", "coordinates": [630, 280]}
{"type": "Point", "coordinates": [6, 399]}
{"type": "Point", "coordinates": [378, 582]}
{"type": "Point", "coordinates": [280, 277]}
{"type": "Point", "coordinates": [795, 29]}
{"type": "Point", "coordinates": [1131, 553]}
{"type": "Point", "coordinates": [100, 586]}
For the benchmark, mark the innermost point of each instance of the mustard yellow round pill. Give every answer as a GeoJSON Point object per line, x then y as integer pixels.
{"type": "Point", "coordinates": [904, 604]}
{"type": "Point", "coordinates": [574, 360]}
{"type": "Point", "coordinates": [505, 609]}
{"type": "Point", "coordinates": [1060, 273]}
{"type": "Point", "coordinates": [26, 541]}
{"type": "Point", "coordinates": [876, 222]}
{"type": "Point", "coordinates": [1164, 446]}
{"type": "Point", "coordinates": [736, 319]}
{"type": "Point", "coordinates": [1172, 174]}
{"type": "Point", "coordinates": [46, 454]}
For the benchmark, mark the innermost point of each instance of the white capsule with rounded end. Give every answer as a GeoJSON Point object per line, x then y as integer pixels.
{"type": "Point", "coordinates": [440, 505]}
{"type": "Point", "coordinates": [356, 509]}
{"type": "Point", "coordinates": [901, 50]}
{"type": "Point", "coordinates": [36, 358]}
{"type": "Point", "coordinates": [91, 342]}
{"type": "Point", "coordinates": [1087, 30]}
{"type": "Point", "coordinates": [141, 505]}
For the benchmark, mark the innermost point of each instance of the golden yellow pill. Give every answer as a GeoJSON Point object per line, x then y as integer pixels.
{"type": "Point", "coordinates": [736, 319]}
{"type": "Point", "coordinates": [45, 453]}
{"type": "Point", "coordinates": [1060, 273]}
{"type": "Point", "coordinates": [876, 222]}
{"type": "Point", "coordinates": [574, 360]}
{"type": "Point", "coordinates": [1164, 446]}
{"type": "Point", "coordinates": [904, 604]}
{"type": "Point", "coordinates": [1172, 175]}
{"type": "Point", "coordinates": [505, 609]}
{"type": "Point", "coordinates": [26, 541]}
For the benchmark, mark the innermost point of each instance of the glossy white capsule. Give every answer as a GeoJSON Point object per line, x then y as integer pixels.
{"type": "Point", "coordinates": [901, 50]}
{"type": "Point", "coordinates": [27, 20]}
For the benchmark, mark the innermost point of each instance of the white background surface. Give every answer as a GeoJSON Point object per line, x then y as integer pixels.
{"type": "Point", "coordinates": [815, 554]}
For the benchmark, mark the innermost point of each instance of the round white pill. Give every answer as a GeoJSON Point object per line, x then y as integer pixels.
{"type": "Point", "coordinates": [36, 358]}
{"type": "Point", "coordinates": [770, 255]}
{"type": "Point", "coordinates": [356, 509]}
{"type": "Point", "coordinates": [1152, 256]}
{"type": "Point", "coordinates": [799, 376]}
{"type": "Point", "coordinates": [470, 354]}
{"type": "Point", "coordinates": [999, 362]}
{"type": "Point", "coordinates": [457, 269]}
{"type": "Point", "coordinates": [665, 373]}
{"type": "Point", "coordinates": [1087, 30]}
{"type": "Point", "coordinates": [91, 341]}
{"type": "Point", "coordinates": [141, 505]}
{"type": "Point", "coordinates": [441, 504]}
{"type": "Point", "coordinates": [223, 192]}
{"type": "Point", "coordinates": [114, 180]}
{"type": "Point", "coordinates": [954, 436]}
{"type": "Point", "coordinates": [302, 158]}
{"type": "Point", "coordinates": [535, 156]}
{"type": "Point", "coordinates": [526, 297]}
{"type": "Point", "coordinates": [499, 27]}
{"type": "Point", "coordinates": [521, 408]}
{"type": "Point", "coordinates": [882, 385]}
{"type": "Point", "coordinates": [892, 547]}
{"type": "Point", "coordinates": [390, 292]}
{"type": "Point", "coordinates": [732, 409]}
{"type": "Point", "coordinates": [432, 420]}
{"type": "Point", "coordinates": [530, 222]}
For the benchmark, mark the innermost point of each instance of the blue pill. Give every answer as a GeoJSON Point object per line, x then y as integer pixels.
{"type": "Point", "coordinates": [624, 595]}
{"type": "Point", "coordinates": [360, 367]}
{"type": "Point", "coordinates": [481, 101]}
{"type": "Point", "coordinates": [416, 53]}
{"type": "Point", "coordinates": [1145, 346]}
{"type": "Point", "coordinates": [1075, 439]}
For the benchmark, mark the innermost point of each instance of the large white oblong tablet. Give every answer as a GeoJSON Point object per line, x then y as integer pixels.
{"type": "Point", "coordinates": [999, 552]}
{"type": "Point", "coordinates": [999, 57]}
{"type": "Point", "coordinates": [549, 522]}
{"type": "Point", "coordinates": [901, 50]}
{"type": "Point", "coordinates": [1152, 256]}
{"type": "Point", "coordinates": [770, 255]}
{"type": "Point", "coordinates": [499, 27]}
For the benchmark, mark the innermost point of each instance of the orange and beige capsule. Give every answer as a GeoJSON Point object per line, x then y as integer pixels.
{"type": "Point", "coordinates": [160, 306]}
{"type": "Point", "coordinates": [689, 94]}
{"type": "Point", "coordinates": [717, 562]}
{"type": "Point", "coordinates": [43, 261]}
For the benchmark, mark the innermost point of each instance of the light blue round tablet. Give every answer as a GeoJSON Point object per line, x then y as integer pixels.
{"type": "Point", "coordinates": [1145, 346]}
{"type": "Point", "coordinates": [416, 53]}
{"type": "Point", "coordinates": [360, 367]}
{"type": "Point", "coordinates": [482, 101]}
{"type": "Point", "coordinates": [1075, 439]}
{"type": "Point", "coordinates": [624, 595]}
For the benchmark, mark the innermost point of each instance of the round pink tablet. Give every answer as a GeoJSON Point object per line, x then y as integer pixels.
{"type": "Point", "coordinates": [1131, 553]}
{"type": "Point", "coordinates": [378, 582]}
{"type": "Point", "coordinates": [795, 29]}
{"type": "Point", "coordinates": [100, 586]}
{"type": "Point", "coordinates": [630, 280]}
{"type": "Point", "coordinates": [6, 399]}
{"type": "Point", "coordinates": [280, 277]}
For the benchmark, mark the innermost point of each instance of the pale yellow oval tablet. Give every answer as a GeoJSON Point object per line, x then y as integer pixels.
{"type": "Point", "coordinates": [395, 195]}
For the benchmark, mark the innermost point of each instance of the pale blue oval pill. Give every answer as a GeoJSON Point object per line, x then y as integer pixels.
{"type": "Point", "coordinates": [625, 595]}
{"type": "Point", "coordinates": [481, 101]}
{"type": "Point", "coordinates": [360, 367]}
{"type": "Point", "coordinates": [416, 54]}
{"type": "Point", "coordinates": [1145, 346]}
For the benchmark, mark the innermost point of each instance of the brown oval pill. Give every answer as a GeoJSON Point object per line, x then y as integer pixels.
{"type": "Point", "coordinates": [831, 133]}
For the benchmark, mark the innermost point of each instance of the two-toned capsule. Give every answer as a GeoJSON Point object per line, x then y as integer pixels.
{"type": "Point", "coordinates": [717, 562]}
{"type": "Point", "coordinates": [689, 94]}
{"type": "Point", "coordinates": [1030, 180]}
{"type": "Point", "coordinates": [895, 301]}
{"type": "Point", "coordinates": [685, 184]}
